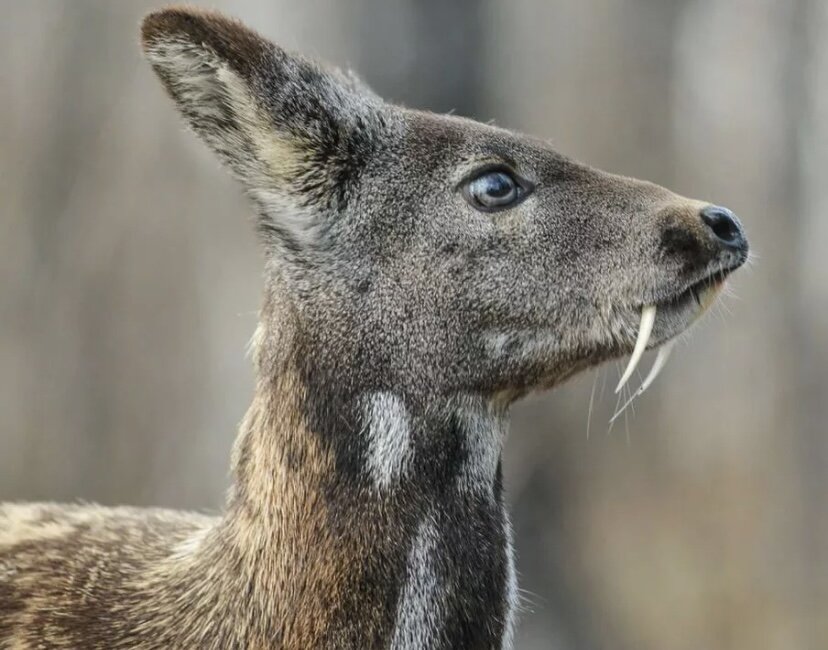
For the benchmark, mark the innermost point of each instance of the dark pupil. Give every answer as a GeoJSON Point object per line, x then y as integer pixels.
{"type": "Point", "coordinates": [496, 185]}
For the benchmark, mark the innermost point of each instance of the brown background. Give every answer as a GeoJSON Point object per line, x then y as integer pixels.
{"type": "Point", "coordinates": [130, 283]}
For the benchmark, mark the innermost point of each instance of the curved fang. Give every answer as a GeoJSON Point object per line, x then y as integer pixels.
{"type": "Point", "coordinates": [648, 315]}
{"type": "Point", "coordinates": [658, 365]}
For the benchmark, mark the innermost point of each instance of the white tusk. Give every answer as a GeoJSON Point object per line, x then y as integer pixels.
{"type": "Point", "coordinates": [658, 365]}
{"type": "Point", "coordinates": [648, 315]}
{"type": "Point", "coordinates": [661, 361]}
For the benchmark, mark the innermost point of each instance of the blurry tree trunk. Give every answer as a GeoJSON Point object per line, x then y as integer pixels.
{"type": "Point", "coordinates": [809, 335]}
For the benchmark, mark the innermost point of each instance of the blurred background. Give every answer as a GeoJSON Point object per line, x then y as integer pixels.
{"type": "Point", "coordinates": [130, 276]}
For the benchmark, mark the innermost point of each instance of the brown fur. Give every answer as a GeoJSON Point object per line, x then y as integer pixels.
{"type": "Point", "coordinates": [73, 576]}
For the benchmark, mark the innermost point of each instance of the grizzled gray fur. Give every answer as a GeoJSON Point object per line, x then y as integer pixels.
{"type": "Point", "coordinates": [423, 272]}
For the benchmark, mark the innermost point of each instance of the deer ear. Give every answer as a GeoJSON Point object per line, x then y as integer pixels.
{"type": "Point", "coordinates": [294, 133]}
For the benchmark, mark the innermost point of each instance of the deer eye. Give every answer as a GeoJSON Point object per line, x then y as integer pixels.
{"type": "Point", "coordinates": [495, 189]}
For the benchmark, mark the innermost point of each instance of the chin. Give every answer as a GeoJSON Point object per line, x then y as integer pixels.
{"type": "Point", "coordinates": [661, 320]}
{"type": "Point", "coordinates": [649, 326]}
{"type": "Point", "coordinates": [676, 315]}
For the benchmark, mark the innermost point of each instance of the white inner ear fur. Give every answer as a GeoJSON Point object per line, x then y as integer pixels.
{"type": "Point", "coordinates": [206, 86]}
{"type": "Point", "coordinates": [191, 70]}
{"type": "Point", "coordinates": [278, 154]}
{"type": "Point", "coordinates": [278, 162]}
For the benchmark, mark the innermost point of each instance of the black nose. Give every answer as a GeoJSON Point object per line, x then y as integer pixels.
{"type": "Point", "coordinates": [725, 227]}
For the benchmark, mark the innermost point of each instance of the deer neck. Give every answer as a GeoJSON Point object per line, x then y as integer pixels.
{"type": "Point", "coordinates": [376, 516]}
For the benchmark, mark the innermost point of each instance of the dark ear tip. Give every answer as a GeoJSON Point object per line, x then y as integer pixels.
{"type": "Point", "coordinates": [163, 22]}
{"type": "Point", "coordinates": [227, 37]}
{"type": "Point", "coordinates": [181, 20]}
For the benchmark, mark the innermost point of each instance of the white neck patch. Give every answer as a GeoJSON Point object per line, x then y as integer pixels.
{"type": "Point", "coordinates": [389, 438]}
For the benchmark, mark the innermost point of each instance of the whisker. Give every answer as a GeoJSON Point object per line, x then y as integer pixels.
{"type": "Point", "coordinates": [528, 600]}
{"type": "Point", "coordinates": [622, 410]}
{"type": "Point", "coordinates": [616, 411]}
{"type": "Point", "coordinates": [627, 423]}
{"type": "Point", "coordinates": [603, 384]}
{"type": "Point", "coordinates": [591, 402]}
{"type": "Point", "coordinates": [658, 365]}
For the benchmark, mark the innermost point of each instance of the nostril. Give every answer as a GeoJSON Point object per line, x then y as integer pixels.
{"type": "Point", "coordinates": [724, 225]}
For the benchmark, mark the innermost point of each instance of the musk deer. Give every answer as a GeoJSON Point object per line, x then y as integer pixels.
{"type": "Point", "coordinates": [423, 272]}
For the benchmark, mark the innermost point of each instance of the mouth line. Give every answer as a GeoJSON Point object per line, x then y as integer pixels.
{"type": "Point", "coordinates": [702, 292]}
{"type": "Point", "coordinates": [691, 293]}
{"type": "Point", "coordinates": [697, 291]}
{"type": "Point", "coordinates": [676, 305]}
